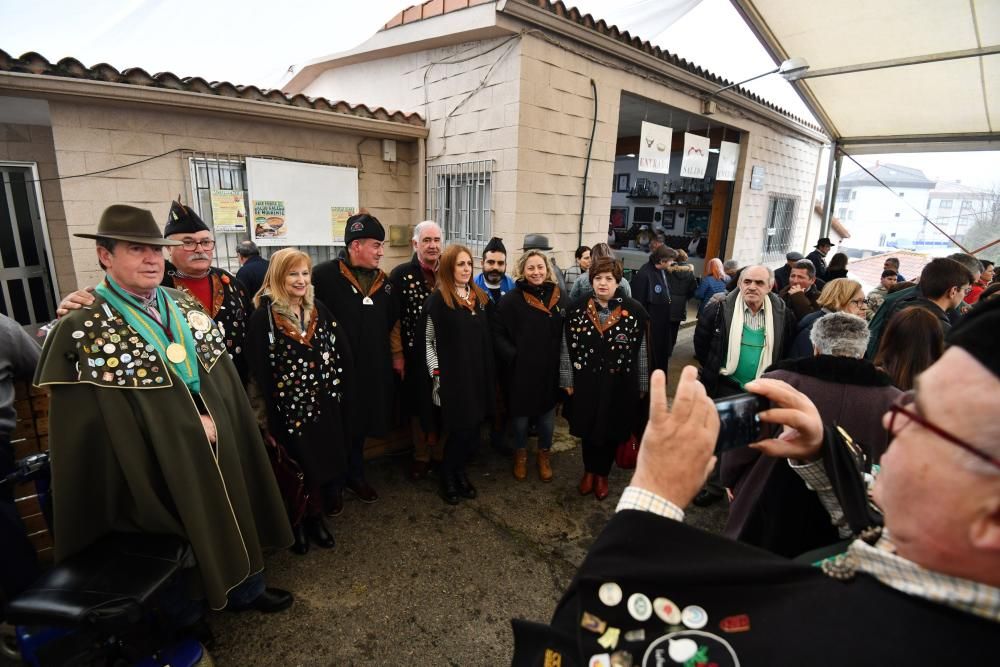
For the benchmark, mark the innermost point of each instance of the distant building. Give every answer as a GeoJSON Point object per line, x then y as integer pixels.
{"type": "Point", "coordinates": [880, 219]}
{"type": "Point", "coordinates": [956, 208]}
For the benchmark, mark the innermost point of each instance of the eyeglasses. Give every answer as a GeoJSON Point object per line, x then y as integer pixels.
{"type": "Point", "coordinates": [901, 407]}
{"type": "Point", "coordinates": [204, 244]}
{"type": "Point", "coordinates": [859, 303]}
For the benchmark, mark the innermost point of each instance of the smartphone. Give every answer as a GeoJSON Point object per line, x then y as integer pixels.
{"type": "Point", "coordinates": [739, 425]}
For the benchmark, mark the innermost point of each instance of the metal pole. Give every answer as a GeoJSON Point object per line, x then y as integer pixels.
{"type": "Point", "coordinates": [831, 187]}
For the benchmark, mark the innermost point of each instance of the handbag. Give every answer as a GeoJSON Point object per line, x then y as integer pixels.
{"type": "Point", "coordinates": [290, 478]}
{"type": "Point", "coordinates": [627, 453]}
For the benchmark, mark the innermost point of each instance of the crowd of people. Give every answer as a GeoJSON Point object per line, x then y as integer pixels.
{"type": "Point", "coordinates": [237, 417]}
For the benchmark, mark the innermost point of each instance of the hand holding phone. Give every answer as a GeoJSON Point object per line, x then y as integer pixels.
{"type": "Point", "coordinates": [739, 424]}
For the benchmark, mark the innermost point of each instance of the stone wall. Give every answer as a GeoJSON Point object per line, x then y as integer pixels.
{"type": "Point", "coordinates": [91, 137]}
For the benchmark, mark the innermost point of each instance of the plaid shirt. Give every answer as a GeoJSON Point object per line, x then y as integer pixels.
{"type": "Point", "coordinates": [880, 561]}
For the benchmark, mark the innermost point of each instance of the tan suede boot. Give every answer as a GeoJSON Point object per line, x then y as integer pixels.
{"type": "Point", "coordinates": [520, 464]}
{"type": "Point", "coordinates": [544, 466]}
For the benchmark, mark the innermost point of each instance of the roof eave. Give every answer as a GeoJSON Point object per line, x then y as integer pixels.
{"type": "Point", "coordinates": [465, 25]}
{"type": "Point", "coordinates": [70, 88]}
{"type": "Point", "coordinates": [699, 86]}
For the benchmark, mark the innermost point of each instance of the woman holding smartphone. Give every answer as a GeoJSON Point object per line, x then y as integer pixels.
{"type": "Point", "coordinates": [460, 362]}
{"type": "Point", "coordinates": [604, 366]}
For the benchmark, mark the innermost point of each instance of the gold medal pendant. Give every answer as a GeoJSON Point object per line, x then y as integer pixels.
{"type": "Point", "coordinates": [176, 353]}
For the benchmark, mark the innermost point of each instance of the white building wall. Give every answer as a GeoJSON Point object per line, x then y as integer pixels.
{"type": "Point", "coordinates": [877, 218]}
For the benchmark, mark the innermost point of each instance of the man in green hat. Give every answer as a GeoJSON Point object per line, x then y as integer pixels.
{"type": "Point", "coordinates": [150, 428]}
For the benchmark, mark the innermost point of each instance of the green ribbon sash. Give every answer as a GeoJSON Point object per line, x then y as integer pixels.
{"type": "Point", "coordinates": [153, 333]}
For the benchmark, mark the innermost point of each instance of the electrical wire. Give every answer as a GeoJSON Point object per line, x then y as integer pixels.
{"type": "Point", "coordinates": [105, 171]}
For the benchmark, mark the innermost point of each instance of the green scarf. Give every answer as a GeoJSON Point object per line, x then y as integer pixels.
{"type": "Point", "coordinates": [153, 333]}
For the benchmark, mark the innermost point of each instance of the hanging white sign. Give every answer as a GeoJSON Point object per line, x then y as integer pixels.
{"type": "Point", "coordinates": [654, 148]}
{"type": "Point", "coordinates": [695, 159]}
{"type": "Point", "coordinates": [729, 155]}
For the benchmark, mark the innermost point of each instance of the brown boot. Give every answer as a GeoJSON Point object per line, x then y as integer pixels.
{"type": "Point", "coordinates": [544, 466]}
{"type": "Point", "coordinates": [520, 464]}
{"type": "Point", "coordinates": [586, 483]}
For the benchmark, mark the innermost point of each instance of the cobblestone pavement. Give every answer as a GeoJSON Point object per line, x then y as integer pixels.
{"type": "Point", "coordinates": [413, 580]}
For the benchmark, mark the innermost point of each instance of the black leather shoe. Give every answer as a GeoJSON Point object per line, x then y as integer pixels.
{"type": "Point", "coordinates": [301, 546]}
{"type": "Point", "coordinates": [449, 491]}
{"type": "Point", "coordinates": [706, 498]}
{"type": "Point", "coordinates": [318, 533]}
{"type": "Point", "coordinates": [363, 491]}
{"type": "Point", "coordinates": [272, 600]}
{"type": "Point", "coordinates": [465, 488]}
{"type": "Point", "coordinates": [333, 503]}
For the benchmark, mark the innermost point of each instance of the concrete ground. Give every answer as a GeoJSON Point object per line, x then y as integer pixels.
{"type": "Point", "coordinates": [413, 580]}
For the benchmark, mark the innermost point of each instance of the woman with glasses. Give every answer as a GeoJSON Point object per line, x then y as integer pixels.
{"type": "Point", "coordinates": [772, 508]}
{"type": "Point", "coordinates": [298, 358]}
{"type": "Point", "coordinates": [838, 296]}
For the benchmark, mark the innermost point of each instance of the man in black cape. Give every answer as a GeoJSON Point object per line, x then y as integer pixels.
{"type": "Point", "coordinates": [925, 589]}
{"type": "Point", "coordinates": [360, 297]}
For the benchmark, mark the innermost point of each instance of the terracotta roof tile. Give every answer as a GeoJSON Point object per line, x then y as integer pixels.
{"type": "Point", "coordinates": [428, 9]}
{"type": "Point", "coordinates": [33, 63]}
{"type": "Point", "coordinates": [868, 270]}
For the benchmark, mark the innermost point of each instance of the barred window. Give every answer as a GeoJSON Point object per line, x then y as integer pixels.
{"type": "Point", "coordinates": [228, 172]}
{"type": "Point", "coordinates": [460, 200]}
{"type": "Point", "coordinates": [778, 228]}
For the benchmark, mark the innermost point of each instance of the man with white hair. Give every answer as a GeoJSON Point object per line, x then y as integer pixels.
{"type": "Point", "coordinates": [736, 339]}
{"type": "Point", "coordinates": [412, 283]}
{"type": "Point", "coordinates": [922, 590]}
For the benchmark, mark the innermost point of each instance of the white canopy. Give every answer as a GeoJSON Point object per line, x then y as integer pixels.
{"type": "Point", "coordinates": [892, 75]}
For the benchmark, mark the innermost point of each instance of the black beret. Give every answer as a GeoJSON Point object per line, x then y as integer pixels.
{"type": "Point", "coordinates": [183, 220]}
{"type": "Point", "coordinates": [363, 226]}
{"type": "Point", "coordinates": [977, 333]}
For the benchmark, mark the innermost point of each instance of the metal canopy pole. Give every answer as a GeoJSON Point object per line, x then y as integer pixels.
{"type": "Point", "coordinates": [831, 188]}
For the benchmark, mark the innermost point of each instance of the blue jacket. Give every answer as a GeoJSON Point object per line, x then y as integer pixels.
{"type": "Point", "coordinates": [506, 285]}
{"type": "Point", "coordinates": [707, 288]}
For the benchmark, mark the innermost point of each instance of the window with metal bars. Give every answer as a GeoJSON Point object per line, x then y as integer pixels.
{"type": "Point", "coordinates": [778, 228]}
{"type": "Point", "coordinates": [228, 172]}
{"type": "Point", "coordinates": [460, 200]}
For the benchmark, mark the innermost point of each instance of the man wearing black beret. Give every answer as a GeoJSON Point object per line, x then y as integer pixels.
{"type": "Point", "coordinates": [360, 297]}
{"type": "Point", "coordinates": [918, 583]}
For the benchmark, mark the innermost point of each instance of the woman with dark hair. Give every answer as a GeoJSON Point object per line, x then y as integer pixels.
{"type": "Point", "coordinates": [604, 366]}
{"type": "Point", "coordinates": [582, 256]}
{"type": "Point", "coordinates": [297, 359]}
{"type": "Point", "coordinates": [460, 362]}
{"type": "Point", "coordinates": [528, 330]}
{"type": "Point", "coordinates": [682, 282]}
{"type": "Point", "coordinates": [837, 268]}
{"type": "Point", "coordinates": [912, 341]}
{"type": "Point", "coordinates": [582, 285]}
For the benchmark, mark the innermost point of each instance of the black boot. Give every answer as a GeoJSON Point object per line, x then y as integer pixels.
{"type": "Point", "coordinates": [301, 546]}
{"type": "Point", "coordinates": [318, 532]}
{"type": "Point", "coordinates": [449, 491]}
{"type": "Point", "coordinates": [465, 488]}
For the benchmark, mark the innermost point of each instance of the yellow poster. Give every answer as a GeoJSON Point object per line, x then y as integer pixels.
{"type": "Point", "coordinates": [269, 219]}
{"type": "Point", "coordinates": [228, 211]}
{"type": "Point", "coordinates": [338, 220]}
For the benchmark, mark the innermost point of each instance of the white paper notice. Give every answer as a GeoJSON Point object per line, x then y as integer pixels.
{"type": "Point", "coordinates": [654, 148]}
{"type": "Point", "coordinates": [695, 160]}
{"type": "Point", "coordinates": [729, 155]}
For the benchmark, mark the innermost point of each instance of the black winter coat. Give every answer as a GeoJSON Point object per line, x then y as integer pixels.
{"type": "Point", "coordinates": [367, 328]}
{"type": "Point", "coordinates": [683, 285]}
{"type": "Point", "coordinates": [650, 287]}
{"type": "Point", "coordinates": [303, 380]}
{"type": "Point", "coordinates": [464, 345]}
{"type": "Point", "coordinates": [527, 339]}
{"type": "Point", "coordinates": [410, 287]}
{"type": "Point", "coordinates": [605, 369]}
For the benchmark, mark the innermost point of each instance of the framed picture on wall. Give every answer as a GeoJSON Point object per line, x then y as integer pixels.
{"type": "Point", "coordinates": [668, 220]}
{"type": "Point", "coordinates": [621, 182]}
{"type": "Point", "coordinates": [698, 218]}
{"type": "Point", "coordinates": [619, 217]}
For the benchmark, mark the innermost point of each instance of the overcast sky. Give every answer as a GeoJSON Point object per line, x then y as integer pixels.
{"type": "Point", "coordinates": [256, 41]}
